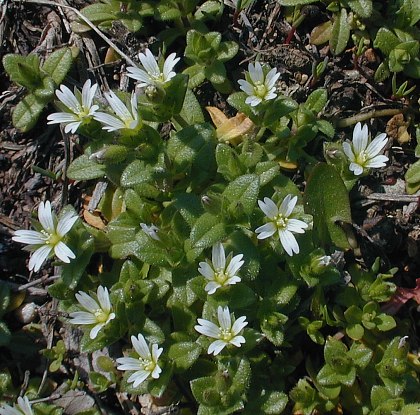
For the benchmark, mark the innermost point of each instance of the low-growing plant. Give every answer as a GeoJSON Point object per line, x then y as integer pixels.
{"type": "Point", "coordinates": [40, 81]}
{"type": "Point", "coordinates": [215, 276]}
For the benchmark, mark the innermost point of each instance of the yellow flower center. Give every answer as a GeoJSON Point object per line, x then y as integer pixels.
{"type": "Point", "coordinates": [361, 158]}
{"type": "Point", "coordinates": [281, 221]}
{"type": "Point", "coordinates": [101, 316]}
{"type": "Point", "coordinates": [53, 238]}
{"type": "Point", "coordinates": [220, 276]}
{"type": "Point", "coordinates": [147, 364]}
{"type": "Point", "coordinates": [226, 335]}
{"type": "Point", "coordinates": [260, 89]}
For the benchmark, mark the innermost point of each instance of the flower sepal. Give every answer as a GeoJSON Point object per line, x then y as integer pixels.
{"type": "Point", "coordinates": [163, 101]}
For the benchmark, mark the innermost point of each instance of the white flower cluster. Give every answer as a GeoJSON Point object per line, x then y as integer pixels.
{"type": "Point", "coordinates": [78, 107]}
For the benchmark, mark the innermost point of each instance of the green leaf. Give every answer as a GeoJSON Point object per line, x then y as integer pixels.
{"type": "Point", "coordinates": [73, 271]}
{"type": "Point", "coordinates": [276, 109]}
{"type": "Point", "coordinates": [192, 150]}
{"type": "Point", "coordinates": [189, 206]}
{"type": "Point", "coordinates": [191, 109]}
{"type": "Point", "coordinates": [340, 33]}
{"type": "Point", "coordinates": [215, 73]}
{"type": "Point", "coordinates": [196, 74]}
{"type": "Point", "coordinates": [184, 355]}
{"type": "Point", "coordinates": [363, 8]}
{"type": "Point", "coordinates": [326, 128]}
{"type": "Point", "coordinates": [355, 331]}
{"type": "Point", "coordinates": [167, 10]}
{"type": "Point", "coordinates": [210, 8]}
{"type": "Point", "coordinates": [228, 163]}
{"type": "Point", "coordinates": [58, 64]}
{"type": "Point", "coordinates": [330, 207]}
{"type": "Point", "coordinates": [205, 391]}
{"type": "Point", "coordinates": [4, 297]}
{"type": "Point", "coordinates": [295, 2]}
{"type": "Point", "coordinates": [241, 378]}
{"type": "Point", "coordinates": [412, 178]}
{"type": "Point", "coordinates": [321, 34]}
{"type": "Point", "coordinates": [5, 335]}
{"type": "Point", "coordinates": [207, 230]}
{"type": "Point", "coordinates": [150, 251]}
{"type": "Point", "coordinates": [84, 168]}
{"type": "Point", "coordinates": [227, 50]}
{"type": "Point", "coordinates": [317, 100]}
{"type": "Point", "coordinates": [385, 322]}
{"type": "Point", "coordinates": [360, 354]}
{"type": "Point", "coordinates": [242, 194]}
{"type": "Point", "coordinates": [26, 113]}
{"type": "Point", "coordinates": [24, 70]}
{"type": "Point", "coordinates": [273, 402]}
{"type": "Point", "coordinates": [385, 40]}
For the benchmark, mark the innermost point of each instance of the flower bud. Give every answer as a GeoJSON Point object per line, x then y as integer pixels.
{"type": "Point", "coordinates": [154, 94]}
{"type": "Point", "coordinates": [26, 313]}
{"type": "Point", "coordinates": [111, 154]}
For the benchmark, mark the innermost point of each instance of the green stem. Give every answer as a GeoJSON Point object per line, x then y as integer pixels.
{"type": "Point", "coordinates": [346, 122]}
{"type": "Point", "coordinates": [180, 120]}
{"type": "Point", "coordinates": [260, 133]}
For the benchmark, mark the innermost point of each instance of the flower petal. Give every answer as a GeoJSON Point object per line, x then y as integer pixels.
{"type": "Point", "coordinates": [45, 216]}
{"type": "Point", "coordinates": [207, 328]}
{"type": "Point", "coordinates": [138, 377]}
{"type": "Point", "coordinates": [82, 317]}
{"type": "Point", "coordinates": [287, 205]}
{"type": "Point", "coordinates": [269, 208]}
{"type": "Point", "coordinates": [237, 341]}
{"type": "Point", "coordinates": [149, 63]}
{"type": "Point", "coordinates": [87, 302]}
{"type": "Point", "coordinates": [211, 287]}
{"type": "Point", "coordinates": [141, 347]}
{"type": "Point", "coordinates": [216, 347]}
{"type": "Point", "coordinates": [128, 363]}
{"type": "Point", "coordinates": [265, 231]}
{"type": "Point", "coordinates": [29, 237]}
{"type": "Point", "coordinates": [94, 332]}
{"type": "Point", "coordinates": [63, 252]}
{"type": "Point", "coordinates": [239, 324]}
{"type": "Point", "coordinates": [206, 270]}
{"type": "Point", "coordinates": [218, 257]}
{"type": "Point", "coordinates": [38, 257]}
{"type": "Point", "coordinates": [288, 242]}
{"type": "Point", "coordinates": [296, 226]}
{"type": "Point", "coordinates": [103, 298]}
{"type": "Point", "coordinates": [223, 315]}
{"type": "Point", "coordinates": [66, 223]}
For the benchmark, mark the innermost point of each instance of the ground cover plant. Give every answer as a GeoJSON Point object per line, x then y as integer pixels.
{"type": "Point", "coordinates": [216, 203]}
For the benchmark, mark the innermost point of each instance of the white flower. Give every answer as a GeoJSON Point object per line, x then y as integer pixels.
{"type": "Point", "coordinates": [78, 108]}
{"type": "Point", "coordinates": [362, 154]}
{"type": "Point", "coordinates": [146, 365]}
{"type": "Point", "coordinates": [220, 272]}
{"type": "Point", "coordinates": [98, 310]}
{"type": "Point", "coordinates": [225, 333]}
{"type": "Point", "coordinates": [151, 230]}
{"type": "Point", "coordinates": [125, 118]}
{"type": "Point", "coordinates": [49, 240]}
{"type": "Point", "coordinates": [280, 222]}
{"type": "Point", "coordinates": [152, 75]}
{"type": "Point", "coordinates": [23, 407]}
{"type": "Point", "coordinates": [260, 87]}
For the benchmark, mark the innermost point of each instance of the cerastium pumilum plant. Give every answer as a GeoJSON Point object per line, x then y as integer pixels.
{"type": "Point", "coordinates": [222, 283]}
